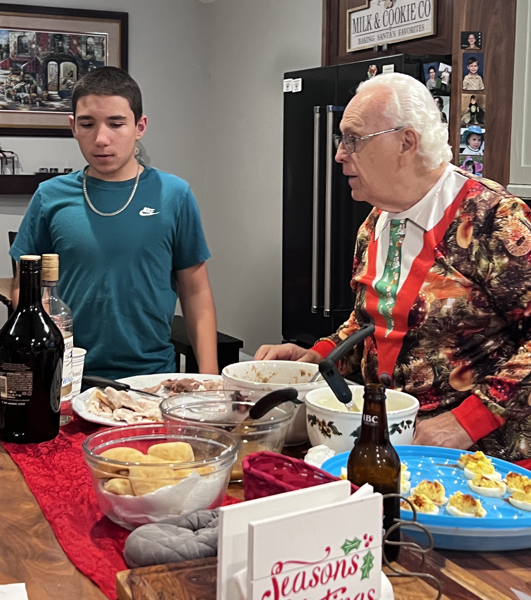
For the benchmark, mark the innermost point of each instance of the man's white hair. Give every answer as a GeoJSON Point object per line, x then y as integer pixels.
{"type": "Point", "coordinates": [410, 104]}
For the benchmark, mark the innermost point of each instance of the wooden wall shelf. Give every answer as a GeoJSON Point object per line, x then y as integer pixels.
{"type": "Point", "coordinates": [22, 184]}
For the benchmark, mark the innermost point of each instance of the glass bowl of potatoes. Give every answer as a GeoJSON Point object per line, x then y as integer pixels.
{"type": "Point", "coordinates": [229, 410]}
{"type": "Point", "coordinates": [148, 472]}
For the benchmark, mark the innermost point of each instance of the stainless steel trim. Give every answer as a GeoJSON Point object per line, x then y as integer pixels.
{"type": "Point", "coordinates": [315, 229]}
{"type": "Point", "coordinates": [328, 210]}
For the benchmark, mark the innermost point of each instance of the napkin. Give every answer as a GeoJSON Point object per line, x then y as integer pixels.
{"type": "Point", "coordinates": [192, 493]}
{"type": "Point", "coordinates": [13, 591]}
{"type": "Point", "coordinates": [521, 595]}
{"type": "Point", "coordinates": [317, 455]}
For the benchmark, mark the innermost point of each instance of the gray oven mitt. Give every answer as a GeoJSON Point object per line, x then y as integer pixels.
{"type": "Point", "coordinates": [174, 540]}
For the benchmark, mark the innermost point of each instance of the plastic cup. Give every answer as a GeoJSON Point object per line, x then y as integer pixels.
{"type": "Point", "coordinates": [78, 360]}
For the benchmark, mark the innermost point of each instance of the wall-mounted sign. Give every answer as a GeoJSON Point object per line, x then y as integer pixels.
{"type": "Point", "coordinates": [389, 22]}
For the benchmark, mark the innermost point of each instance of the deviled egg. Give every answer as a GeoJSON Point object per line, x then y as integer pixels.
{"type": "Point", "coordinates": [465, 505]}
{"type": "Point", "coordinates": [434, 490]}
{"type": "Point", "coordinates": [482, 467]}
{"type": "Point", "coordinates": [515, 481]}
{"type": "Point", "coordinates": [421, 503]}
{"type": "Point", "coordinates": [405, 484]}
{"type": "Point", "coordinates": [487, 487]}
{"type": "Point", "coordinates": [466, 458]}
{"type": "Point", "coordinates": [521, 498]}
{"type": "Point", "coordinates": [404, 472]}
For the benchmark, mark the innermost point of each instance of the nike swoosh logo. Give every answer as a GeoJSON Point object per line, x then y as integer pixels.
{"type": "Point", "coordinates": [147, 212]}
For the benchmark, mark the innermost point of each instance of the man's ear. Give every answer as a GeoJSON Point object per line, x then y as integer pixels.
{"type": "Point", "coordinates": [409, 143]}
{"type": "Point", "coordinates": [72, 121]}
{"type": "Point", "coordinates": [141, 127]}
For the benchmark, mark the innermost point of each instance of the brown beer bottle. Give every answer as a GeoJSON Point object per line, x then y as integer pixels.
{"type": "Point", "coordinates": [373, 459]}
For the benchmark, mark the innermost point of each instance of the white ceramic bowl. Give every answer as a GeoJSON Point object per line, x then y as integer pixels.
{"type": "Point", "coordinates": [329, 422]}
{"type": "Point", "coordinates": [268, 375]}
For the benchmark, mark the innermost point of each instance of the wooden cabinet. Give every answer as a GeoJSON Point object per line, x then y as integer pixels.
{"type": "Point", "coordinates": [335, 34]}
{"type": "Point", "coordinates": [496, 19]}
{"type": "Point", "coordinates": [520, 165]}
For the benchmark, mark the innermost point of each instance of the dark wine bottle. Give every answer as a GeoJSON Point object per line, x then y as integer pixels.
{"type": "Point", "coordinates": [374, 460]}
{"type": "Point", "coordinates": [31, 364]}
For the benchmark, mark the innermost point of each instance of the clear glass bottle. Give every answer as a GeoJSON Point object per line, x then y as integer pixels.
{"type": "Point", "coordinates": [62, 317]}
{"type": "Point", "coordinates": [374, 460]}
{"type": "Point", "coordinates": [31, 363]}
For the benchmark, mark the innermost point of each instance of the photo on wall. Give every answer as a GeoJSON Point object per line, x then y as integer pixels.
{"type": "Point", "coordinates": [445, 74]}
{"type": "Point", "coordinates": [471, 40]}
{"type": "Point", "coordinates": [443, 104]}
{"type": "Point", "coordinates": [472, 140]}
{"type": "Point", "coordinates": [473, 109]}
{"type": "Point", "coordinates": [473, 72]}
{"type": "Point", "coordinates": [471, 163]}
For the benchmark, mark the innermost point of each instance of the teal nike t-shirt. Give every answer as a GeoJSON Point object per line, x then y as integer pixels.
{"type": "Point", "coordinates": [117, 273]}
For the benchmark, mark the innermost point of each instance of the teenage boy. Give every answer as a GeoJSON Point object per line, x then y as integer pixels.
{"type": "Point", "coordinates": [473, 81]}
{"type": "Point", "coordinates": [129, 237]}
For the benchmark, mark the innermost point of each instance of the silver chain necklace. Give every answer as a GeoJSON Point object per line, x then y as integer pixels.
{"type": "Point", "coordinates": [116, 212]}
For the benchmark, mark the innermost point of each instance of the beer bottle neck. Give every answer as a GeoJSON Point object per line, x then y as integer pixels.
{"type": "Point", "coordinates": [374, 421]}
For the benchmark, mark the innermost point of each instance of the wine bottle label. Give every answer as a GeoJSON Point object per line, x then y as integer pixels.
{"type": "Point", "coordinates": [16, 384]}
{"type": "Point", "coordinates": [66, 387]}
{"type": "Point", "coordinates": [371, 420]}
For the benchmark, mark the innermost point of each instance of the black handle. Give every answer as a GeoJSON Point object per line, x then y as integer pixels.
{"type": "Point", "coordinates": [269, 401]}
{"type": "Point", "coordinates": [103, 382]}
{"type": "Point", "coordinates": [328, 368]}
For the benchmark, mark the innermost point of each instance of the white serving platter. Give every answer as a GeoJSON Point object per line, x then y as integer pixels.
{"type": "Point", "coordinates": [79, 403]}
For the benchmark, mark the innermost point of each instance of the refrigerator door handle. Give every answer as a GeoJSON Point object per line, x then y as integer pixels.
{"type": "Point", "coordinates": [315, 229]}
{"type": "Point", "coordinates": [328, 213]}
{"type": "Point", "coordinates": [330, 110]}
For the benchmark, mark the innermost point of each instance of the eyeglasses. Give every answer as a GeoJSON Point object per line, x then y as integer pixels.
{"type": "Point", "coordinates": [350, 141]}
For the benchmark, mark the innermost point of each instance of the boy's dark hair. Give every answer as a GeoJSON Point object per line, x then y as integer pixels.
{"type": "Point", "coordinates": [109, 81]}
{"type": "Point", "coordinates": [471, 60]}
{"type": "Point", "coordinates": [432, 68]}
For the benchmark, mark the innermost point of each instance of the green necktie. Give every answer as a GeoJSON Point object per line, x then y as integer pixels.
{"type": "Point", "coordinates": [387, 286]}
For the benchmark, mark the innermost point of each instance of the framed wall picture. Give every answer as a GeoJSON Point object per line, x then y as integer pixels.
{"type": "Point", "coordinates": [389, 22]}
{"type": "Point", "coordinates": [43, 53]}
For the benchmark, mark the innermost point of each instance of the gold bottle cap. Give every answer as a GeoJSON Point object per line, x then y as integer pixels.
{"type": "Point", "coordinates": [30, 257]}
{"type": "Point", "coordinates": [50, 267]}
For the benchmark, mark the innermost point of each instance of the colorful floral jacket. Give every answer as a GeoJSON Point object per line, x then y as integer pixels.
{"type": "Point", "coordinates": [462, 337]}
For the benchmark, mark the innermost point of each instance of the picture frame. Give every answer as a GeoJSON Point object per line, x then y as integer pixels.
{"type": "Point", "coordinates": [43, 52]}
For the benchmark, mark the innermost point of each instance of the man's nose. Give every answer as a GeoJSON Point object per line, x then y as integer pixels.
{"type": "Point", "coordinates": [102, 136]}
{"type": "Point", "coordinates": [341, 154]}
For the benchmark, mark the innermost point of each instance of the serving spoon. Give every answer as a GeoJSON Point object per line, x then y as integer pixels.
{"type": "Point", "coordinates": [328, 368]}
{"type": "Point", "coordinates": [264, 405]}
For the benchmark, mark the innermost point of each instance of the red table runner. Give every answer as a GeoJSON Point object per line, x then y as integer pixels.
{"type": "Point", "coordinates": [58, 477]}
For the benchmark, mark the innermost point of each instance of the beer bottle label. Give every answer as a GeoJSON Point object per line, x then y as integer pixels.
{"type": "Point", "coordinates": [16, 384]}
{"type": "Point", "coordinates": [371, 420]}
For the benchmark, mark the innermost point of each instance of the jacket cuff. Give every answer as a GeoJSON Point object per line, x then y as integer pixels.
{"type": "Point", "coordinates": [323, 347]}
{"type": "Point", "coordinates": [475, 418]}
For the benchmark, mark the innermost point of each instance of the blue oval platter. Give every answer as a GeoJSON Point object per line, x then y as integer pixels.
{"type": "Point", "coordinates": [505, 527]}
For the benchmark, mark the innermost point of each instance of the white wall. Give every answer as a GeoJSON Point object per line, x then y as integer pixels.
{"type": "Point", "coordinates": [211, 76]}
{"type": "Point", "coordinates": [252, 43]}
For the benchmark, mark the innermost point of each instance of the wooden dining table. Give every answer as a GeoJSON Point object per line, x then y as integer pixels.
{"type": "Point", "coordinates": [30, 553]}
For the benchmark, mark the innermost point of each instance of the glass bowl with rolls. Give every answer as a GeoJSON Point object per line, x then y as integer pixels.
{"type": "Point", "coordinates": [148, 472]}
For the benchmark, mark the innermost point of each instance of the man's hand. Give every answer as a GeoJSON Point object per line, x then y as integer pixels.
{"type": "Point", "coordinates": [287, 352]}
{"type": "Point", "coordinates": [444, 430]}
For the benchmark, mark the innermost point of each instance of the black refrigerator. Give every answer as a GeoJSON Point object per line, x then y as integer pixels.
{"type": "Point", "coordinates": [320, 218]}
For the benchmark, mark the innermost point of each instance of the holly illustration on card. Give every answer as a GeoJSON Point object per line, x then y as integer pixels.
{"type": "Point", "coordinates": [350, 545]}
{"type": "Point", "coordinates": [368, 564]}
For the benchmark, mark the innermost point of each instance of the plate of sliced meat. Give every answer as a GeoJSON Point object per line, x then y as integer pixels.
{"type": "Point", "coordinates": [111, 407]}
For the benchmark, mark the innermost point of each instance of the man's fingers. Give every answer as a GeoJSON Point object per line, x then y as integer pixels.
{"type": "Point", "coordinates": [311, 357]}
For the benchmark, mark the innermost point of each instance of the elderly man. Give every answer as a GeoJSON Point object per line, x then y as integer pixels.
{"type": "Point", "coordinates": [442, 267]}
